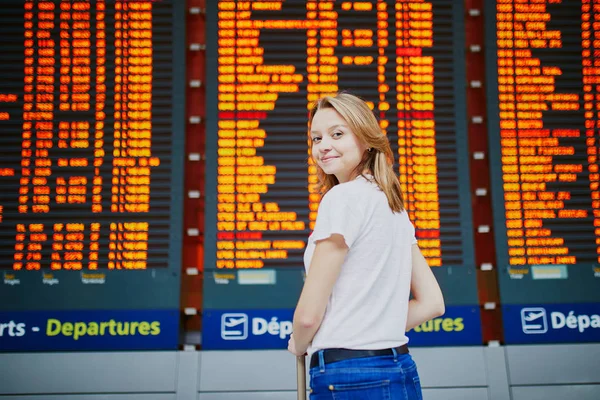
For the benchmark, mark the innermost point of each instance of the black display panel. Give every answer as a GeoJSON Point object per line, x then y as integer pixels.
{"type": "Point", "coordinates": [543, 91]}
{"type": "Point", "coordinates": [91, 155]}
{"type": "Point", "coordinates": [267, 62]}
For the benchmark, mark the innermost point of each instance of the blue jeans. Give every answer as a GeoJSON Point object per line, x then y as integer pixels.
{"type": "Point", "coordinates": [369, 378]}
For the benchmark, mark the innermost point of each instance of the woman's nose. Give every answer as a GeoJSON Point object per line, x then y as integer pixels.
{"type": "Point", "coordinates": [325, 146]}
{"type": "Point", "coordinates": [325, 149]}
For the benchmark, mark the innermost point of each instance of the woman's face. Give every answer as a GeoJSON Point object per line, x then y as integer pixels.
{"type": "Point", "coordinates": [335, 148]}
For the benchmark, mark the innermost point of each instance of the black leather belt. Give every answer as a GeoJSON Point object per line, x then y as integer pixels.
{"type": "Point", "coordinates": [333, 355]}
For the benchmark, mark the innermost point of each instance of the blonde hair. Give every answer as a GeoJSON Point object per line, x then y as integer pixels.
{"type": "Point", "coordinates": [378, 160]}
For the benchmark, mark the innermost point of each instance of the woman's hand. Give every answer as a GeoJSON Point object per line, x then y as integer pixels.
{"type": "Point", "coordinates": [292, 348]}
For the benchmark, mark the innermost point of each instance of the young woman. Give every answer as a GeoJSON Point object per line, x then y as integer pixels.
{"type": "Point", "coordinates": [362, 262]}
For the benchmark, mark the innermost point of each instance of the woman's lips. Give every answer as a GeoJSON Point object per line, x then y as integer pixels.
{"type": "Point", "coordinates": [327, 159]}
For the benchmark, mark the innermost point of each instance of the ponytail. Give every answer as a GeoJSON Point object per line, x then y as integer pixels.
{"type": "Point", "coordinates": [385, 177]}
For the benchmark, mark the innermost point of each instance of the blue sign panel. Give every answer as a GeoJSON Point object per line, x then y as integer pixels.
{"type": "Point", "coordinates": [246, 329]}
{"type": "Point", "coordinates": [551, 323]}
{"type": "Point", "coordinates": [459, 326]}
{"type": "Point", "coordinates": [89, 330]}
{"type": "Point", "coordinates": [271, 329]}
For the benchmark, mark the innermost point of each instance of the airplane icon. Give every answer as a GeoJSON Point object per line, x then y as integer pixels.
{"type": "Point", "coordinates": [234, 326]}
{"type": "Point", "coordinates": [534, 320]}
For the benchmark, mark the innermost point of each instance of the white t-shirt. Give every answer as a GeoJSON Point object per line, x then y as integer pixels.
{"type": "Point", "coordinates": [369, 303]}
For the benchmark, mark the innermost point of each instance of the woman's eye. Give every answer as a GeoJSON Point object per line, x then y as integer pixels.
{"type": "Point", "coordinates": [337, 134]}
{"type": "Point", "coordinates": [316, 139]}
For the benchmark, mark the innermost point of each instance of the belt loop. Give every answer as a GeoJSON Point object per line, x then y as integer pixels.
{"type": "Point", "coordinates": [321, 361]}
{"type": "Point", "coordinates": [395, 354]}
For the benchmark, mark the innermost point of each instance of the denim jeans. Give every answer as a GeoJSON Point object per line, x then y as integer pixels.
{"type": "Point", "coordinates": [369, 378]}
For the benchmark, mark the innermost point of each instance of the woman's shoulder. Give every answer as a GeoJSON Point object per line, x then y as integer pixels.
{"type": "Point", "coordinates": [347, 192]}
{"type": "Point", "coordinates": [355, 195]}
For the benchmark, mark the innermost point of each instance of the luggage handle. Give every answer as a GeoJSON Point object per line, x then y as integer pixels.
{"type": "Point", "coordinates": [301, 377]}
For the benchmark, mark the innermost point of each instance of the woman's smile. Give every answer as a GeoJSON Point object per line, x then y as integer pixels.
{"type": "Point", "coordinates": [328, 159]}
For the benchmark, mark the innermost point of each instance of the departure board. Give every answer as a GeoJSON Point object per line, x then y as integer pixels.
{"type": "Point", "coordinates": [268, 61]}
{"type": "Point", "coordinates": [90, 154]}
{"type": "Point", "coordinates": [543, 72]}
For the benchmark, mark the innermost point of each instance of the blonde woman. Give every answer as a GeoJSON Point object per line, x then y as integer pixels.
{"type": "Point", "coordinates": [362, 263]}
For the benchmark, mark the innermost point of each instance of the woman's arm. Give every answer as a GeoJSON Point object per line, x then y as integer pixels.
{"type": "Point", "coordinates": [324, 270]}
{"type": "Point", "coordinates": [428, 300]}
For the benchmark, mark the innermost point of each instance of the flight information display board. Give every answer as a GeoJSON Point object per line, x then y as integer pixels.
{"type": "Point", "coordinates": [268, 61]}
{"type": "Point", "coordinates": [543, 71]}
{"type": "Point", "coordinates": [90, 173]}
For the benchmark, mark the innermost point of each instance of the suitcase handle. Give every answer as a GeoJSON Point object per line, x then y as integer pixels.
{"type": "Point", "coordinates": [301, 377]}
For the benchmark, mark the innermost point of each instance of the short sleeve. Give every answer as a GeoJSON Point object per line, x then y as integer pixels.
{"type": "Point", "coordinates": [337, 215]}
{"type": "Point", "coordinates": [412, 230]}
